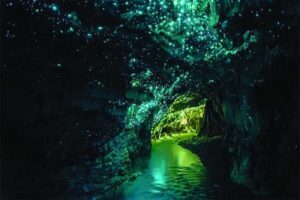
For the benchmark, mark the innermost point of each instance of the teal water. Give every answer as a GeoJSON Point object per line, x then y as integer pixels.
{"type": "Point", "coordinates": [173, 172]}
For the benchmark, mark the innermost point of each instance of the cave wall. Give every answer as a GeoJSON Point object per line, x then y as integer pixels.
{"type": "Point", "coordinates": [63, 105]}
{"type": "Point", "coordinates": [262, 132]}
{"type": "Point", "coordinates": [260, 103]}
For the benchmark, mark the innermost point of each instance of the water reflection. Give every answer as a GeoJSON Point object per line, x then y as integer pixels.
{"type": "Point", "coordinates": [173, 173]}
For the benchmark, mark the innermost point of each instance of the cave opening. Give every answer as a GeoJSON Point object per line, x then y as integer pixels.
{"type": "Point", "coordinates": [184, 117]}
{"type": "Point", "coordinates": [173, 171]}
{"type": "Point", "coordinates": [186, 161]}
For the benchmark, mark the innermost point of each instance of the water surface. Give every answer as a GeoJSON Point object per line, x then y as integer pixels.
{"type": "Point", "coordinates": [173, 172]}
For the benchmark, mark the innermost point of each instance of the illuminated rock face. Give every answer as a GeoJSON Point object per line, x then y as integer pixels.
{"type": "Point", "coordinates": [185, 115]}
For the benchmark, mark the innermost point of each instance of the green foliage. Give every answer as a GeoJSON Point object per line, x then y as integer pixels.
{"type": "Point", "coordinates": [183, 117]}
{"type": "Point", "coordinates": [184, 101]}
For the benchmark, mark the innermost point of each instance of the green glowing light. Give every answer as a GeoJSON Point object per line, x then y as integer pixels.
{"type": "Point", "coordinates": [184, 116]}
{"type": "Point", "coordinates": [186, 29]}
{"type": "Point", "coordinates": [169, 163]}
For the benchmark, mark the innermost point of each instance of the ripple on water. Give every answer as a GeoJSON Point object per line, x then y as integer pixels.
{"type": "Point", "coordinates": [173, 173]}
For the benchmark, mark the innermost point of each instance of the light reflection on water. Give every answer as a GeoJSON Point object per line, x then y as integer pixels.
{"type": "Point", "coordinates": [173, 173]}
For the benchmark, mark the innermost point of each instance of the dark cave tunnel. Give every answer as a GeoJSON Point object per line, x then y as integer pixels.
{"type": "Point", "coordinates": [150, 100]}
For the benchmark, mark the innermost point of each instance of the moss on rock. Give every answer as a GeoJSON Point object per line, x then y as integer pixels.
{"type": "Point", "coordinates": [184, 116]}
{"type": "Point", "coordinates": [184, 101]}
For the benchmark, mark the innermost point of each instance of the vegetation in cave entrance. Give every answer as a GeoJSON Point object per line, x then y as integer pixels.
{"type": "Point", "coordinates": [184, 116]}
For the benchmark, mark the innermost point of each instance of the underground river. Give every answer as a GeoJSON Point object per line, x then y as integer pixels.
{"type": "Point", "coordinates": [173, 173]}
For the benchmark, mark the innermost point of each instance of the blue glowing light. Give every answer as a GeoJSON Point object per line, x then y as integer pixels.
{"type": "Point", "coordinates": [54, 7]}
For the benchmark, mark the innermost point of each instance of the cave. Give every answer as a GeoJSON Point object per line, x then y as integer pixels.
{"type": "Point", "coordinates": [149, 100]}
